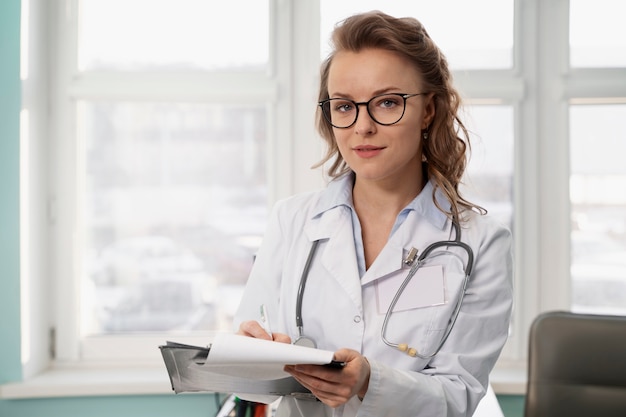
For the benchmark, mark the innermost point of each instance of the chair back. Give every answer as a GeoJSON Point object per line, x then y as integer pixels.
{"type": "Point", "coordinates": [577, 366]}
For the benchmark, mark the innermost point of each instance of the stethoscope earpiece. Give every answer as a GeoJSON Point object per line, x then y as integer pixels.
{"type": "Point", "coordinates": [403, 347]}
{"type": "Point", "coordinates": [415, 265]}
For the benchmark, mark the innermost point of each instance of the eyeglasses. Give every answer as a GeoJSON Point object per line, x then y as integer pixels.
{"type": "Point", "coordinates": [384, 109]}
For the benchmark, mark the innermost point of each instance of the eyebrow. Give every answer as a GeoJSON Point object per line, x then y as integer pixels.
{"type": "Point", "coordinates": [375, 93]}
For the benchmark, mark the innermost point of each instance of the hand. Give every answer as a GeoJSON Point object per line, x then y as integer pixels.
{"type": "Point", "coordinates": [252, 328]}
{"type": "Point", "coordinates": [335, 387]}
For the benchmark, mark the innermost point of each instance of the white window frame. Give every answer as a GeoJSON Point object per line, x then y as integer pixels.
{"type": "Point", "coordinates": [539, 87]}
{"type": "Point", "coordinates": [278, 88]}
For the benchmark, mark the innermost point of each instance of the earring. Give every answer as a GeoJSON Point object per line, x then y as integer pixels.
{"type": "Point", "coordinates": [425, 135]}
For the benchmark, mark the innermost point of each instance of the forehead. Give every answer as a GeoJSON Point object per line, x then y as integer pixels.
{"type": "Point", "coordinates": [371, 70]}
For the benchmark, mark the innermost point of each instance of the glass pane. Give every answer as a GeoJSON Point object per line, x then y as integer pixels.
{"type": "Point", "coordinates": [174, 206]}
{"type": "Point", "coordinates": [597, 33]}
{"type": "Point", "coordinates": [489, 178]}
{"type": "Point", "coordinates": [469, 37]}
{"type": "Point", "coordinates": [173, 34]}
{"type": "Point", "coordinates": [598, 204]}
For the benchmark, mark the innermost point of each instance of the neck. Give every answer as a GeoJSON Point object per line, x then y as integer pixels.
{"type": "Point", "coordinates": [385, 197]}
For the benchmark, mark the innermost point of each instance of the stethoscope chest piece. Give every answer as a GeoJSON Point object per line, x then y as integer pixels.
{"type": "Point", "coordinates": [305, 341]}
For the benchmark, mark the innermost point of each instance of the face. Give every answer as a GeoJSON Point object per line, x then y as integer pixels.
{"type": "Point", "coordinates": [375, 152]}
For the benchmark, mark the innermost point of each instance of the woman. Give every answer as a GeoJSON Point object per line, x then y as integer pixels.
{"type": "Point", "coordinates": [397, 152]}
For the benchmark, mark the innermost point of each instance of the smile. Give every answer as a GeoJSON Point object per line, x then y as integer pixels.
{"type": "Point", "coordinates": [367, 151]}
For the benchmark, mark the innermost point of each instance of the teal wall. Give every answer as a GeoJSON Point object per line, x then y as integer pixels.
{"type": "Point", "coordinates": [201, 405]}
{"type": "Point", "coordinates": [188, 405]}
{"type": "Point", "coordinates": [512, 405]}
{"type": "Point", "coordinates": [10, 368]}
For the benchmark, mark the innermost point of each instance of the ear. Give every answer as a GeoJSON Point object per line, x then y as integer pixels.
{"type": "Point", "coordinates": [429, 111]}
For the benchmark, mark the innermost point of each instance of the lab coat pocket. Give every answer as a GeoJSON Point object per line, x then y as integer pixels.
{"type": "Point", "coordinates": [415, 317]}
{"type": "Point", "coordinates": [425, 289]}
{"type": "Point", "coordinates": [423, 310]}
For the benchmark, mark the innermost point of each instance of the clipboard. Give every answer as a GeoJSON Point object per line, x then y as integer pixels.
{"type": "Point", "coordinates": [240, 364]}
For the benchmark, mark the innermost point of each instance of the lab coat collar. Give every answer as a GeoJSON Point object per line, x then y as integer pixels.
{"type": "Point", "coordinates": [331, 219]}
{"type": "Point", "coordinates": [425, 207]}
{"type": "Point", "coordinates": [339, 193]}
{"type": "Point", "coordinates": [334, 203]}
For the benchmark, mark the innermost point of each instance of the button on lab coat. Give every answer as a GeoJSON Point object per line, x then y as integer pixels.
{"type": "Point", "coordinates": [343, 310]}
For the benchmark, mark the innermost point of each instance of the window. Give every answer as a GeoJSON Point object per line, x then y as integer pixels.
{"type": "Point", "coordinates": [166, 148]}
{"type": "Point", "coordinates": [596, 34]}
{"type": "Point", "coordinates": [490, 173]}
{"type": "Point", "coordinates": [174, 201]}
{"type": "Point", "coordinates": [597, 174]}
{"type": "Point", "coordinates": [487, 41]}
{"type": "Point", "coordinates": [162, 167]}
{"type": "Point", "coordinates": [597, 181]}
{"type": "Point", "coordinates": [162, 35]}
{"type": "Point", "coordinates": [167, 132]}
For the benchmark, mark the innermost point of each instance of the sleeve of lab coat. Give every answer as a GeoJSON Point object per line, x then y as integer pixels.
{"type": "Point", "coordinates": [263, 285]}
{"type": "Point", "coordinates": [457, 377]}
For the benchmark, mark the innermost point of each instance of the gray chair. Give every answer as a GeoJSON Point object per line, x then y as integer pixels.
{"type": "Point", "coordinates": [577, 366]}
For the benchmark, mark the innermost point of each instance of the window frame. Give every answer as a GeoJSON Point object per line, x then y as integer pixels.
{"type": "Point", "coordinates": [276, 88]}
{"type": "Point", "coordinates": [540, 88]}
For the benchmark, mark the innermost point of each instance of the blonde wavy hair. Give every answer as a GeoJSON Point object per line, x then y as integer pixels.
{"type": "Point", "coordinates": [445, 150]}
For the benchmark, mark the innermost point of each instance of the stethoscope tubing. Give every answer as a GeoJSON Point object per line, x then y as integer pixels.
{"type": "Point", "coordinates": [418, 263]}
{"type": "Point", "coordinates": [300, 296]}
{"type": "Point", "coordinates": [302, 339]}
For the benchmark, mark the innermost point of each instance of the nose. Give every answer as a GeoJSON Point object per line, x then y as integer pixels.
{"type": "Point", "coordinates": [364, 124]}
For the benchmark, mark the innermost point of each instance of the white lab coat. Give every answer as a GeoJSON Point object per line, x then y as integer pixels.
{"type": "Point", "coordinates": [341, 309]}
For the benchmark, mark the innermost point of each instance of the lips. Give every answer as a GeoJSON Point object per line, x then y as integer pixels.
{"type": "Point", "coordinates": [367, 151]}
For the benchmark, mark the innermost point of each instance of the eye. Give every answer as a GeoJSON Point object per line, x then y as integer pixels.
{"type": "Point", "coordinates": [388, 102]}
{"type": "Point", "coordinates": [343, 106]}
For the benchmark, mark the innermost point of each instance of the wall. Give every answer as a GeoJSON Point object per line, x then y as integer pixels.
{"type": "Point", "coordinates": [201, 405]}
{"type": "Point", "coordinates": [10, 362]}
{"type": "Point", "coordinates": [9, 191]}
{"type": "Point", "coordinates": [512, 405]}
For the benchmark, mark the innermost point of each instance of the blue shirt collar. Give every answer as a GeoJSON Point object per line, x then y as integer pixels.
{"type": "Point", "coordinates": [339, 193]}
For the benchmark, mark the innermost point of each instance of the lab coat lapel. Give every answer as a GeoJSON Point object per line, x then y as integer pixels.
{"type": "Point", "coordinates": [390, 258]}
{"type": "Point", "coordinates": [424, 224]}
{"type": "Point", "coordinates": [414, 232]}
{"type": "Point", "coordinates": [336, 252]}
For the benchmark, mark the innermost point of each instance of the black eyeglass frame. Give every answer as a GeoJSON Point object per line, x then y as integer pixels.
{"type": "Point", "coordinates": [367, 107]}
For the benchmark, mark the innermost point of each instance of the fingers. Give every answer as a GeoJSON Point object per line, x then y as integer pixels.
{"type": "Point", "coordinates": [335, 387]}
{"type": "Point", "coordinates": [359, 368]}
{"type": "Point", "coordinates": [282, 338]}
{"type": "Point", "coordinates": [253, 328]}
{"type": "Point", "coordinates": [331, 393]}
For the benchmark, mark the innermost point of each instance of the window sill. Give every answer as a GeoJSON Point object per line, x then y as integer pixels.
{"type": "Point", "coordinates": [83, 382]}
{"type": "Point", "coordinates": [79, 381]}
{"type": "Point", "coordinates": [509, 380]}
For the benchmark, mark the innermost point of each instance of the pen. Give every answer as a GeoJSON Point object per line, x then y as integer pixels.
{"type": "Point", "coordinates": [265, 320]}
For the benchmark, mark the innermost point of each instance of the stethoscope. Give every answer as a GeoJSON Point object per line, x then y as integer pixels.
{"type": "Point", "coordinates": [415, 262]}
